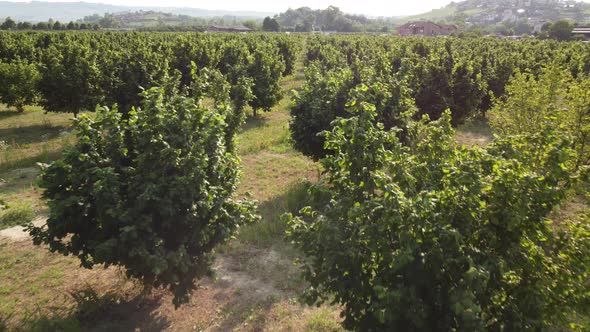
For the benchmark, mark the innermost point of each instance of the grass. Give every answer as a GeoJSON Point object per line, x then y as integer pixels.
{"type": "Point", "coordinates": [265, 232]}
{"type": "Point", "coordinates": [322, 321]}
{"type": "Point", "coordinates": [266, 132]}
{"type": "Point", "coordinates": [273, 172]}
{"type": "Point", "coordinates": [17, 215]}
{"type": "Point", "coordinates": [26, 139]}
{"type": "Point", "coordinates": [31, 137]}
{"type": "Point", "coordinates": [28, 279]}
{"type": "Point", "coordinates": [41, 291]}
{"type": "Point", "coordinates": [475, 131]}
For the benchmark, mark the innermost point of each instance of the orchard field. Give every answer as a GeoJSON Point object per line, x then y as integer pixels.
{"type": "Point", "coordinates": [398, 183]}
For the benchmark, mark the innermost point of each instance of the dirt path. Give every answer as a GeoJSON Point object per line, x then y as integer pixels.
{"type": "Point", "coordinates": [18, 233]}
{"type": "Point", "coordinates": [235, 300]}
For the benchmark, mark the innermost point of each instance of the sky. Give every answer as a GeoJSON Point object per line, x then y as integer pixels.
{"type": "Point", "coordinates": [367, 7]}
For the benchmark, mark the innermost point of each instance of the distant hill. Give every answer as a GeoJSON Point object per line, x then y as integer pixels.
{"type": "Point", "coordinates": [37, 11]}
{"type": "Point", "coordinates": [158, 20]}
{"type": "Point", "coordinates": [433, 15]}
{"type": "Point", "coordinates": [521, 16]}
{"type": "Point", "coordinates": [495, 16]}
{"type": "Point", "coordinates": [485, 13]}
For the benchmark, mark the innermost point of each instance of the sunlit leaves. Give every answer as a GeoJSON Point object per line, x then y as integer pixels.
{"type": "Point", "coordinates": [430, 236]}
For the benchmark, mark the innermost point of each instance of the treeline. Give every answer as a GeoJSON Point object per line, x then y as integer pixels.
{"type": "Point", "coordinates": [559, 30]}
{"type": "Point", "coordinates": [73, 72]}
{"type": "Point", "coordinates": [422, 76]}
{"type": "Point", "coordinates": [10, 24]}
{"type": "Point", "coordinates": [140, 21]}
{"type": "Point", "coordinates": [305, 19]}
{"type": "Point", "coordinates": [152, 20]}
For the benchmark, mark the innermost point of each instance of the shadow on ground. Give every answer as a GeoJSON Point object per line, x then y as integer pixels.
{"type": "Point", "coordinates": [31, 161]}
{"type": "Point", "coordinates": [5, 114]}
{"type": "Point", "coordinates": [30, 134]}
{"type": "Point", "coordinates": [270, 229]}
{"type": "Point", "coordinates": [253, 123]}
{"type": "Point", "coordinates": [93, 312]}
{"type": "Point", "coordinates": [248, 312]}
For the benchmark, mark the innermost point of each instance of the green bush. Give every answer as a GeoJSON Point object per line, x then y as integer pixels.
{"type": "Point", "coordinates": [553, 99]}
{"type": "Point", "coordinates": [266, 73]}
{"type": "Point", "coordinates": [429, 236]}
{"type": "Point", "coordinates": [324, 97]}
{"type": "Point", "coordinates": [561, 30]}
{"type": "Point", "coordinates": [152, 193]}
{"type": "Point", "coordinates": [19, 84]}
{"type": "Point", "coordinates": [70, 79]}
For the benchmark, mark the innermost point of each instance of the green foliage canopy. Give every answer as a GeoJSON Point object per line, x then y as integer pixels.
{"type": "Point", "coordinates": [270, 24]}
{"type": "Point", "coordinates": [429, 236]}
{"type": "Point", "coordinates": [462, 75]}
{"type": "Point", "coordinates": [552, 99]}
{"type": "Point", "coordinates": [80, 69]}
{"type": "Point", "coordinates": [70, 79]}
{"type": "Point", "coordinates": [152, 192]}
{"type": "Point", "coordinates": [561, 30]}
{"type": "Point", "coordinates": [8, 24]}
{"type": "Point", "coordinates": [266, 76]}
{"type": "Point", "coordinates": [19, 84]}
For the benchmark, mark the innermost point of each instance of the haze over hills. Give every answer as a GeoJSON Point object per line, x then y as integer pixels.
{"type": "Point", "coordinates": [486, 14]}
{"type": "Point", "coordinates": [490, 12]}
{"type": "Point", "coordinates": [37, 11]}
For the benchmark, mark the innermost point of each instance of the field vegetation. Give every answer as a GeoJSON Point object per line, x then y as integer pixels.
{"type": "Point", "coordinates": [380, 167]}
{"type": "Point", "coordinates": [256, 283]}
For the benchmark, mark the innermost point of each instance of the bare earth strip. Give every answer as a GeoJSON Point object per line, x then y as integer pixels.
{"type": "Point", "coordinates": [18, 233]}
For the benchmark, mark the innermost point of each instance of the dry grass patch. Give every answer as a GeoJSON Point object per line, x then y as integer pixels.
{"type": "Point", "coordinates": [474, 132]}
{"type": "Point", "coordinates": [26, 139]}
{"type": "Point", "coordinates": [31, 136]}
{"type": "Point", "coordinates": [36, 284]}
{"type": "Point", "coordinates": [269, 174]}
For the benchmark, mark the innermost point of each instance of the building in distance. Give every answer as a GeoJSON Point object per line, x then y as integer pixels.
{"type": "Point", "coordinates": [582, 31]}
{"type": "Point", "coordinates": [426, 29]}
